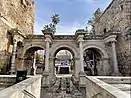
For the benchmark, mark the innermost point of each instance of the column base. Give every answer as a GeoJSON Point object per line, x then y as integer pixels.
{"type": "Point", "coordinates": [45, 72]}
{"type": "Point", "coordinates": [45, 79]}
{"type": "Point", "coordinates": [82, 73]}
{"type": "Point", "coordinates": [75, 80]}
{"type": "Point", "coordinates": [116, 74]}
{"type": "Point", "coordinates": [12, 72]}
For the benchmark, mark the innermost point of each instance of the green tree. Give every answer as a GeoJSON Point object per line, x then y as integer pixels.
{"type": "Point", "coordinates": [52, 26]}
{"type": "Point", "coordinates": [55, 19]}
{"type": "Point", "coordinates": [90, 25]}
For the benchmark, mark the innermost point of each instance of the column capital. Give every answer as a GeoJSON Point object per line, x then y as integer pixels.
{"type": "Point", "coordinates": [80, 35]}
{"type": "Point", "coordinates": [112, 42]}
{"type": "Point", "coordinates": [15, 41]}
{"type": "Point", "coordinates": [17, 38]}
{"type": "Point", "coordinates": [111, 38]}
{"type": "Point", "coordinates": [49, 34]}
{"type": "Point", "coordinates": [47, 39]}
{"type": "Point", "coordinates": [80, 32]}
{"type": "Point", "coordinates": [16, 31]}
{"type": "Point", "coordinates": [80, 38]}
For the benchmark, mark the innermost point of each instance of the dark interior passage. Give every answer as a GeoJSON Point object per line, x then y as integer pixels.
{"type": "Point", "coordinates": [91, 60]}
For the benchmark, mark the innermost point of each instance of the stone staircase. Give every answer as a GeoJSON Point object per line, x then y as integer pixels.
{"type": "Point", "coordinates": [62, 88]}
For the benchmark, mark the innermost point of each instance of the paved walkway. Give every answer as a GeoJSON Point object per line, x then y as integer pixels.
{"type": "Point", "coordinates": [63, 88]}
{"type": "Point", "coordinates": [124, 87]}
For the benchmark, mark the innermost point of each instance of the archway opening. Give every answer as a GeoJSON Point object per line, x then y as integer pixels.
{"type": "Point", "coordinates": [92, 61]}
{"type": "Point", "coordinates": [34, 60]}
{"type": "Point", "coordinates": [64, 61]}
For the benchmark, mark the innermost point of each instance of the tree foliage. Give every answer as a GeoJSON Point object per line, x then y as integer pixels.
{"type": "Point", "coordinates": [90, 24]}
{"type": "Point", "coordinates": [55, 19]}
{"type": "Point", "coordinates": [52, 26]}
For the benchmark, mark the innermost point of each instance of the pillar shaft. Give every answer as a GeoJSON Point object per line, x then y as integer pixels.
{"type": "Point", "coordinates": [115, 64]}
{"type": "Point", "coordinates": [34, 62]}
{"type": "Point", "coordinates": [47, 57]}
{"type": "Point", "coordinates": [81, 56]}
{"type": "Point", "coordinates": [13, 58]}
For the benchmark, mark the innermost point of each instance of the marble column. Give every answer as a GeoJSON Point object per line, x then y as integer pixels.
{"type": "Point", "coordinates": [52, 70]}
{"type": "Point", "coordinates": [105, 67]}
{"type": "Point", "coordinates": [81, 56]}
{"type": "Point", "coordinates": [13, 57]}
{"type": "Point", "coordinates": [34, 62]}
{"type": "Point", "coordinates": [47, 57]}
{"type": "Point", "coordinates": [114, 58]}
{"type": "Point", "coordinates": [77, 68]}
{"type": "Point", "coordinates": [46, 75]}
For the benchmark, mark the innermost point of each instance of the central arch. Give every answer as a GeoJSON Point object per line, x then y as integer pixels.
{"type": "Point", "coordinates": [70, 48]}
{"type": "Point", "coordinates": [55, 49]}
{"type": "Point", "coordinates": [63, 61]}
{"type": "Point", "coordinates": [64, 69]}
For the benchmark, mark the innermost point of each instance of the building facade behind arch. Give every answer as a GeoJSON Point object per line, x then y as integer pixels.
{"type": "Point", "coordinates": [20, 14]}
{"type": "Point", "coordinates": [14, 14]}
{"type": "Point", "coordinates": [117, 17]}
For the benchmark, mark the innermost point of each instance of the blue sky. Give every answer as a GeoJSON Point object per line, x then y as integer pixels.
{"type": "Point", "coordinates": [74, 14]}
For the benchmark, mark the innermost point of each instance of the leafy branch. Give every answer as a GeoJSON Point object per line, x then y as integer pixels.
{"type": "Point", "coordinates": [52, 26]}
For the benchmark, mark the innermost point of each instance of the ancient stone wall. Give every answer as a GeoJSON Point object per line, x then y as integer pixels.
{"type": "Point", "coordinates": [14, 14]}
{"type": "Point", "coordinates": [117, 16]}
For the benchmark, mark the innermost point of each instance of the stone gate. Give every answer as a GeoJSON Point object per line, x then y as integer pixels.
{"type": "Point", "coordinates": [77, 44]}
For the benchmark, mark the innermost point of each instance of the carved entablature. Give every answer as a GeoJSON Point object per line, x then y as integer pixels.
{"type": "Point", "coordinates": [92, 37]}
{"type": "Point", "coordinates": [89, 36]}
{"type": "Point", "coordinates": [16, 35]}
{"type": "Point", "coordinates": [35, 36]}
{"type": "Point", "coordinates": [111, 32]}
{"type": "Point", "coordinates": [64, 37]}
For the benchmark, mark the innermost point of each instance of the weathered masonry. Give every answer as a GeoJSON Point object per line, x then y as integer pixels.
{"type": "Point", "coordinates": [117, 16]}
{"type": "Point", "coordinates": [13, 14]}
{"type": "Point", "coordinates": [102, 46]}
{"type": "Point", "coordinates": [109, 47]}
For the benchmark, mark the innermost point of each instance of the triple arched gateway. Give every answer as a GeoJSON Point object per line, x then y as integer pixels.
{"type": "Point", "coordinates": [93, 55]}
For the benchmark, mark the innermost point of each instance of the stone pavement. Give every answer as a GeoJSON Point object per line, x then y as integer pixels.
{"type": "Point", "coordinates": [124, 87]}
{"type": "Point", "coordinates": [63, 88]}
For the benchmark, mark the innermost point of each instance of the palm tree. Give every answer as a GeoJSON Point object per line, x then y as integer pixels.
{"type": "Point", "coordinates": [52, 26]}
{"type": "Point", "coordinates": [55, 19]}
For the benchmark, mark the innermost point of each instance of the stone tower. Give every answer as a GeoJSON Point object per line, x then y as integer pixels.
{"type": "Point", "coordinates": [117, 18]}
{"type": "Point", "coordinates": [13, 14]}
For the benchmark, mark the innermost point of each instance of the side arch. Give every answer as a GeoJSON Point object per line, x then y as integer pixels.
{"type": "Point", "coordinates": [30, 46]}
{"type": "Point", "coordinates": [103, 67]}
{"type": "Point", "coordinates": [101, 50]}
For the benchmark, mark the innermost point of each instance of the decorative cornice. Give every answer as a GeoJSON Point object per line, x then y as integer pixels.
{"type": "Point", "coordinates": [111, 38]}
{"type": "Point", "coordinates": [48, 33]}
{"type": "Point", "coordinates": [64, 37]}
{"type": "Point", "coordinates": [80, 32]}
{"type": "Point", "coordinates": [16, 31]}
